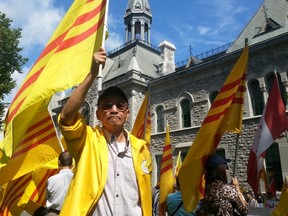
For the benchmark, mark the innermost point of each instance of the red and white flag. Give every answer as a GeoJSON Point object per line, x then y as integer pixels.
{"type": "Point", "coordinates": [272, 123]}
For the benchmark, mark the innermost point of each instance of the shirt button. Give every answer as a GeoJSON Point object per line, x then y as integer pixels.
{"type": "Point", "coordinates": [117, 195]}
{"type": "Point", "coordinates": [117, 174]}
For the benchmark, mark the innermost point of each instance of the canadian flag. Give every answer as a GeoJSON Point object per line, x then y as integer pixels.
{"type": "Point", "coordinates": [272, 123]}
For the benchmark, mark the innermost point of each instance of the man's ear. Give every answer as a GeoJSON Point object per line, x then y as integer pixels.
{"type": "Point", "coordinates": [128, 114]}
{"type": "Point", "coordinates": [97, 114]}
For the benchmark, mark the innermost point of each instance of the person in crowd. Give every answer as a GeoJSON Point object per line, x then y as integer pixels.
{"type": "Point", "coordinates": [270, 201]}
{"type": "Point", "coordinates": [221, 198]}
{"type": "Point", "coordinates": [252, 202]}
{"type": "Point", "coordinates": [174, 203]}
{"type": "Point", "coordinates": [260, 200]}
{"type": "Point", "coordinates": [57, 185]}
{"type": "Point", "coordinates": [113, 167]}
{"type": "Point", "coordinates": [155, 199]}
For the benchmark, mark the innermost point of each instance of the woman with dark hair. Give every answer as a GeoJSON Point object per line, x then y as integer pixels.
{"type": "Point", "coordinates": [221, 198]}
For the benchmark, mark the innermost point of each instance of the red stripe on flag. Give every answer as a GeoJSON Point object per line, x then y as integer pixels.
{"type": "Point", "coordinates": [241, 89]}
{"type": "Point", "coordinates": [43, 187]}
{"type": "Point", "coordinates": [33, 145]}
{"type": "Point", "coordinates": [223, 101]}
{"type": "Point", "coordinates": [166, 158]}
{"type": "Point", "coordinates": [167, 147]}
{"type": "Point", "coordinates": [13, 112]}
{"type": "Point", "coordinates": [77, 39]}
{"type": "Point", "coordinates": [17, 186]}
{"type": "Point", "coordinates": [140, 132]}
{"type": "Point", "coordinates": [36, 134]}
{"type": "Point", "coordinates": [238, 101]}
{"type": "Point", "coordinates": [31, 80]}
{"type": "Point", "coordinates": [165, 169]}
{"type": "Point", "coordinates": [39, 123]}
{"type": "Point", "coordinates": [231, 85]}
{"type": "Point", "coordinates": [215, 117]}
{"type": "Point", "coordinates": [40, 185]}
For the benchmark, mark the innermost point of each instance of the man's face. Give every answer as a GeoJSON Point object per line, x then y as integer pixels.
{"type": "Point", "coordinates": [113, 112]}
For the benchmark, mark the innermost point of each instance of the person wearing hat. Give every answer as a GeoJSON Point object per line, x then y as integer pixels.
{"type": "Point", "coordinates": [221, 198]}
{"type": "Point", "coordinates": [113, 167]}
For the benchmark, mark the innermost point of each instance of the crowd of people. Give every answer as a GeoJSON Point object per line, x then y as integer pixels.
{"type": "Point", "coordinates": [113, 167]}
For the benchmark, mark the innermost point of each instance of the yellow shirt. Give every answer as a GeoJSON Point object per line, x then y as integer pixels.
{"type": "Point", "coordinates": [89, 148]}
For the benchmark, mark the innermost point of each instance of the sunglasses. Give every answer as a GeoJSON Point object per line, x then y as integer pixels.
{"type": "Point", "coordinates": [108, 106]}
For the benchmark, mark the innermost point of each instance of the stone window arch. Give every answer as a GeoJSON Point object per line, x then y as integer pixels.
{"type": "Point", "coordinates": [256, 97]}
{"type": "Point", "coordinates": [160, 118]}
{"type": "Point", "coordinates": [185, 105]}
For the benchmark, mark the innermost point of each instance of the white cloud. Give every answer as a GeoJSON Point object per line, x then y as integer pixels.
{"type": "Point", "coordinates": [38, 20]}
{"type": "Point", "coordinates": [113, 41]}
{"type": "Point", "coordinates": [203, 30]}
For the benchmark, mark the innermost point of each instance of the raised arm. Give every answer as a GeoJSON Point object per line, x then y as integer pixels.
{"type": "Point", "coordinates": [71, 108]}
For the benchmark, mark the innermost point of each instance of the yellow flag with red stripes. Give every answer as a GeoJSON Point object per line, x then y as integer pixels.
{"type": "Point", "coordinates": [10, 195]}
{"type": "Point", "coordinates": [224, 115]}
{"type": "Point", "coordinates": [166, 174]}
{"type": "Point", "coordinates": [64, 63]}
{"type": "Point", "coordinates": [142, 124]}
{"type": "Point", "coordinates": [34, 194]}
{"type": "Point", "coordinates": [28, 192]}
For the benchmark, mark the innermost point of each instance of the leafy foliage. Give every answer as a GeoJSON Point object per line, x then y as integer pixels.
{"type": "Point", "coordinates": [10, 59]}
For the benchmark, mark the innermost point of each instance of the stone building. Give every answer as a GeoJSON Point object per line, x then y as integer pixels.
{"type": "Point", "coordinates": [182, 94]}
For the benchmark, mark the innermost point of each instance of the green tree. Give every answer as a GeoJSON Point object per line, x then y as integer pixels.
{"type": "Point", "coordinates": [10, 59]}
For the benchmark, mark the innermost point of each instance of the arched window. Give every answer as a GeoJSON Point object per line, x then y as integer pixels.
{"type": "Point", "coordinates": [257, 99]}
{"type": "Point", "coordinates": [137, 30]}
{"type": "Point", "coordinates": [129, 32]}
{"type": "Point", "coordinates": [186, 113]}
{"type": "Point", "coordinates": [160, 118]}
{"type": "Point", "coordinates": [213, 95]}
{"type": "Point", "coordinates": [146, 32]}
{"type": "Point", "coordinates": [269, 83]}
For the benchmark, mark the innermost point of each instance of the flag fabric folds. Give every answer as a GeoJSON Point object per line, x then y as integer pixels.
{"type": "Point", "coordinates": [282, 207]}
{"type": "Point", "coordinates": [27, 192]}
{"type": "Point", "coordinates": [224, 115]}
{"type": "Point", "coordinates": [178, 164]}
{"type": "Point", "coordinates": [166, 174]}
{"type": "Point", "coordinates": [34, 194]}
{"type": "Point", "coordinates": [10, 195]}
{"type": "Point", "coordinates": [263, 176]}
{"type": "Point", "coordinates": [64, 63]}
{"type": "Point", "coordinates": [272, 123]}
{"type": "Point", "coordinates": [142, 124]}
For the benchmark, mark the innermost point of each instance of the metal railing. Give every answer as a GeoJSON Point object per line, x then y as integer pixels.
{"type": "Point", "coordinates": [205, 55]}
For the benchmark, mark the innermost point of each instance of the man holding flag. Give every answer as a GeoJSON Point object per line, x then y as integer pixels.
{"type": "Point", "coordinates": [113, 167]}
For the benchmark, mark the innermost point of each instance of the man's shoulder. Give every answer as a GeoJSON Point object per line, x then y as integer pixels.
{"type": "Point", "coordinates": [176, 194]}
{"type": "Point", "coordinates": [135, 141]}
{"type": "Point", "coordinates": [53, 178]}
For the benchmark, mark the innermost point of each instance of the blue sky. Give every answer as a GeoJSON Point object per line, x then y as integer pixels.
{"type": "Point", "coordinates": [203, 25]}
